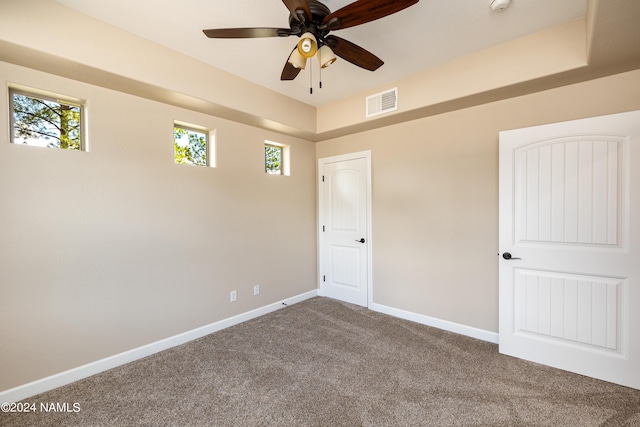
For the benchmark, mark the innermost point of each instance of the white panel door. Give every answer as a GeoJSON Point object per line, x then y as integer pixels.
{"type": "Point", "coordinates": [344, 228]}
{"type": "Point", "coordinates": [570, 246]}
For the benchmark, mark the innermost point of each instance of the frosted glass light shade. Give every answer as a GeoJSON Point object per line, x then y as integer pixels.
{"type": "Point", "coordinates": [326, 56]}
{"type": "Point", "coordinates": [307, 46]}
{"type": "Point", "coordinates": [297, 60]}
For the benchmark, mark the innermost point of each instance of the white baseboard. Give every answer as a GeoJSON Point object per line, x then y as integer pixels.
{"type": "Point", "coordinates": [469, 331]}
{"type": "Point", "coordinates": [67, 377]}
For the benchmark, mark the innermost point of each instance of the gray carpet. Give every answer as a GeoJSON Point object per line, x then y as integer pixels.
{"type": "Point", "coordinates": [327, 363]}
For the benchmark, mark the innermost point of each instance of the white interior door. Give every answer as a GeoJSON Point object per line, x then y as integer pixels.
{"type": "Point", "coordinates": [344, 219]}
{"type": "Point", "coordinates": [570, 218]}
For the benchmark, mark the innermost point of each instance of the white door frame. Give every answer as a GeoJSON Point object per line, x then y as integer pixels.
{"type": "Point", "coordinates": [335, 159]}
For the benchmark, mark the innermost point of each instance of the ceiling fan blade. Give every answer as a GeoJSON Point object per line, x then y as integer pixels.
{"type": "Point", "coordinates": [246, 33]}
{"type": "Point", "coordinates": [354, 53]}
{"type": "Point", "coordinates": [289, 72]}
{"type": "Point", "coordinates": [294, 5]}
{"type": "Point", "coordinates": [363, 11]}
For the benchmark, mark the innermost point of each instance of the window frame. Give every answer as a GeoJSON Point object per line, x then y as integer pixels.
{"type": "Point", "coordinates": [279, 147]}
{"type": "Point", "coordinates": [209, 136]}
{"type": "Point", "coordinates": [50, 97]}
{"type": "Point", "coordinates": [285, 161]}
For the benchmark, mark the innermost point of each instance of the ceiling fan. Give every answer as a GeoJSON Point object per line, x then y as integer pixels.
{"type": "Point", "coordinates": [312, 21]}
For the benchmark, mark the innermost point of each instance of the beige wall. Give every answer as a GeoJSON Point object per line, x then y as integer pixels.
{"type": "Point", "coordinates": [435, 196]}
{"type": "Point", "coordinates": [111, 249]}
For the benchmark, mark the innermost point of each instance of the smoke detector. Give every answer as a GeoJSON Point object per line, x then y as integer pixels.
{"type": "Point", "coordinates": [499, 5]}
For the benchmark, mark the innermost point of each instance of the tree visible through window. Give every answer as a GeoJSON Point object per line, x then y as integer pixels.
{"type": "Point", "coordinates": [273, 159]}
{"type": "Point", "coordinates": [45, 122]}
{"type": "Point", "coordinates": [190, 146]}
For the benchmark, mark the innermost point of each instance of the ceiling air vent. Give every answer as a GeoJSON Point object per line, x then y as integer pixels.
{"type": "Point", "coordinates": [382, 102]}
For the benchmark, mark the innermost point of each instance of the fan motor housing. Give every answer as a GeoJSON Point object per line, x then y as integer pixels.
{"type": "Point", "coordinates": [318, 12]}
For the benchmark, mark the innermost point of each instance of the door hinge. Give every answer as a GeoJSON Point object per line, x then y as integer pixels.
{"type": "Point", "coordinates": [324, 279]}
{"type": "Point", "coordinates": [323, 228]}
{"type": "Point", "coordinates": [322, 178]}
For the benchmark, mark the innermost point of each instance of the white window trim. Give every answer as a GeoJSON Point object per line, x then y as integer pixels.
{"type": "Point", "coordinates": [210, 143]}
{"type": "Point", "coordinates": [49, 96]}
{"type": "Point", "coordinates": [286, 157]}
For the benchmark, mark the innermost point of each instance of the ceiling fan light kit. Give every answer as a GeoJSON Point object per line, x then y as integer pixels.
{"type": "Point", "coordinates": [307, 46]}
{"type": "Point", "coordinates": [312, 21]}
{"type": "Point", "coordinates": [326, 56]}
{"type": "Point", "coordinates": [296, 60]}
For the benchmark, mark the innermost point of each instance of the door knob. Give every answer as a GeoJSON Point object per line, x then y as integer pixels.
{"type": "Point", "coordinates": [508, 256]}
{"type": "Point", "coordinates": [361, 240]}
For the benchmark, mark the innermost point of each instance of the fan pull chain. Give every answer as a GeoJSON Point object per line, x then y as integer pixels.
{"type": "Point", "coordinates": [310, 77]}
{"type": "Point", "coordinates": [320, 72]}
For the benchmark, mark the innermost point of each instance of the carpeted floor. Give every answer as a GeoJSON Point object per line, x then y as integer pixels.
{"type": "Point", "coordinates": [326, 363]}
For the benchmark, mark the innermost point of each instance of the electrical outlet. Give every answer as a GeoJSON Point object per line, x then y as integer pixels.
{"type": "Point", "coordinates": [233, 296]}
{"type": "Point", "coordinates": [256, 289]}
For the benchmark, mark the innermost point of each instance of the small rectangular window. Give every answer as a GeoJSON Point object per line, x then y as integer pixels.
{"type": "Point", "coordinates": [191, 146]}
{"type": "Point", "coordinates": [277, 158]}
{"type": "Point", "coordinates": [45, 121]}
{"type": "Point", "coordinates": [273, 159]}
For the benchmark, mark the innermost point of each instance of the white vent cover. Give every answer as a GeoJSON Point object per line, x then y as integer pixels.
{"type": "Point", "coordinates": [382, 102]}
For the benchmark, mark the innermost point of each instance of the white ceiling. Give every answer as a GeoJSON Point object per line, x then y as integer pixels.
{"type": "Point", "coordinates": [425, 35]}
